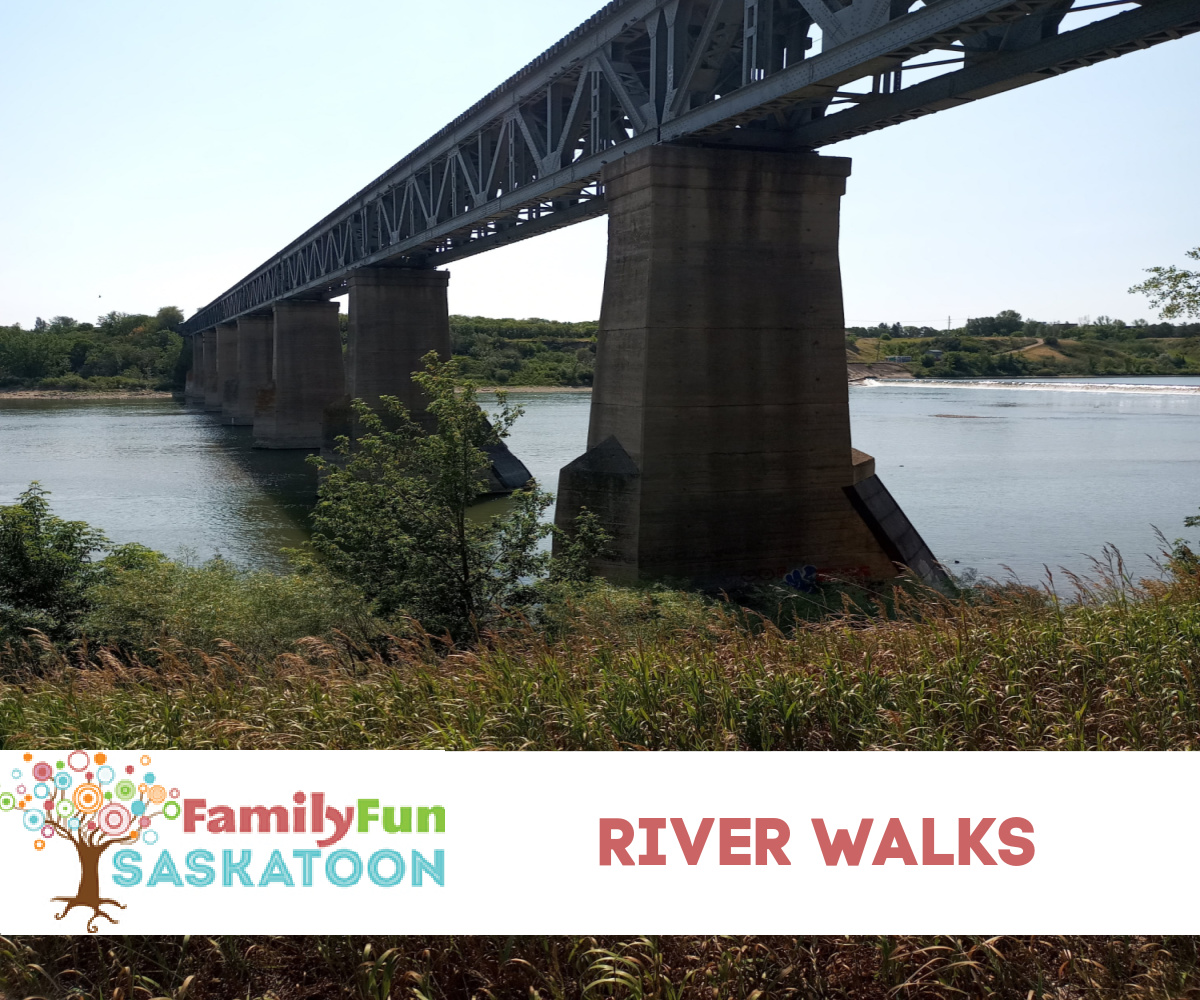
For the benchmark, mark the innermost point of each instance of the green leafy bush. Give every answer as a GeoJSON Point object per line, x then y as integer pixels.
{"type": "Point", "coordinates": [46, 567]}
{"type": "Point", "coordinates": [392, 514]}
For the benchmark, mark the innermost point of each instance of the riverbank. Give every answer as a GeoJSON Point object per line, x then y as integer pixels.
{"type": "Point", "coordinates": [1166, 385]}
{"type": "Point", "coordinates": [85, 394]}
{"type": "Point", "coordinates": [611, 668]}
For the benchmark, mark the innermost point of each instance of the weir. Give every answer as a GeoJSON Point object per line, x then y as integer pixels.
{"type": "Point", "coordinates": [719, 447]}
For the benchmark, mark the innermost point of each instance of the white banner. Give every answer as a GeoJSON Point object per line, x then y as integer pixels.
{"type": "Point", "coordinates": [294, 842]}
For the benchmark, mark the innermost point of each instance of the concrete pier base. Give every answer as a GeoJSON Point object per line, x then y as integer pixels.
{"type": "Point", "coordinates": [194, 386]}
{"type": "Point", "coordinates": [719, 445]}
{"type": "Point", "coordinates": [227, 368]}
{"type": "Point", "coordinates": [397, 316]}
{"type": "Point", "coordinates": [212, 386]}
{"type": "Point", "coordinates": [254, 349]}
{"type": "Point", "coordinates": [308, 376]}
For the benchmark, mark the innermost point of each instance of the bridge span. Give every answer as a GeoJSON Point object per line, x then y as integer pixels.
{"type": "Point", "coordinates": [719, 447]}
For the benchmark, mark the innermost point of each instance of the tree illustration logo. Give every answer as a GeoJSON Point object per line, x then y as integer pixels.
{"type": "Point", "coordinates": [84, 800]}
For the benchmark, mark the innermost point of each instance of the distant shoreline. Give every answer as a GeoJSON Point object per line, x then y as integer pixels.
{"type": "Point", "coordinates": [533, 388]}
{"type": "Point", "coordinates": [85, 394]}
{"type": "Point", "coordinates": [855, 377]}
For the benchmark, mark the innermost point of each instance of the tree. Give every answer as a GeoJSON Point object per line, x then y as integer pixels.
{"type": "Point", "coordinates": [1172, 290]}
{"type": "Point", "coordinates": [394, 510]}
{"type": "Point", "coordinates": [1003, 324]}
{"type": "Point", "coordinates": [81, 799]}
{"type": "Point", "coordinates": [46, 566]}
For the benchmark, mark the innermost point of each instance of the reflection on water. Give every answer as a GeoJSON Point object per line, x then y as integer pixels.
{"type": "Point", "coordinates": [151, 471]}
{"type": "Point", "coordinates": [990, 476]}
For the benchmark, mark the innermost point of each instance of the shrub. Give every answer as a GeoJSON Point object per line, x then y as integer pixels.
{"type": "Point", "coordinates": [46, 567]}
{"type": "Point", "coordinates": [145, 599]}
{"type": "Point", "coordinates": [392, 513]}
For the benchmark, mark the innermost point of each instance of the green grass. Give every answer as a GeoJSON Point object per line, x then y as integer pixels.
{"type": "Point", "coordinates": [581, 968]}
{"type": "Point", "coordinates": [622, 669]}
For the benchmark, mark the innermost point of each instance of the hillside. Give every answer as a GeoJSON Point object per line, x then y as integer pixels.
{"type": "Point", "coordinates": [524, 352]}
{"type": "Point", "coordinates": [1032, 349]}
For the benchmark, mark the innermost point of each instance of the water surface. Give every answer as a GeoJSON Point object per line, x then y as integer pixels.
{"type": "Point", "coordinates": [155, 472]}
{"type": "Point", "coordinates": [992, 474]}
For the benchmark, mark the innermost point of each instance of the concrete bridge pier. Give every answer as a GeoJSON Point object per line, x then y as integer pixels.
{"type": "Point", "coordinates": [254, 346]}
{"type": "Point", "coordinates": [193, 391]}
{"type": "Point", "coordinates": [719, 445]}
{"type": "Point", "coordinates": [308, 376]}
{"type": "Point", "coordinates": [212, 386]}
{"type": "Point", "coordinates": [227, 354]}
{"type": "Point", "coordinates": [397, 316]}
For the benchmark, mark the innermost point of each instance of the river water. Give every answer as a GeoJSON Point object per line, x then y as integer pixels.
{"type": "Point", "coordinates": [994, 475]}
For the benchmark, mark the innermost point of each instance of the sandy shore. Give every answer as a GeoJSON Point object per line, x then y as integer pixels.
{"type": "Point", "coordinates": [66, 394]}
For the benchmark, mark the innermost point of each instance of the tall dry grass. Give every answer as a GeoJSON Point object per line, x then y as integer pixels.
{"type": "Point", "coordinates": [1116, 668]}
{"type": "Point", "coordinates": [587, 968]}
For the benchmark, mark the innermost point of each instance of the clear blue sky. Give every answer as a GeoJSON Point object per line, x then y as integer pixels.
{"type": "Point", "coordinates": [153, 153]}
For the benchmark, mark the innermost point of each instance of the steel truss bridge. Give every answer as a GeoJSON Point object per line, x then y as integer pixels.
{"type": "Point", "coordinates": [758, 74]}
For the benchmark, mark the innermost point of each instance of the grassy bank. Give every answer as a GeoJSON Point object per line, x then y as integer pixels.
{"type": "Point", "coordinates": [667, 968]}
{"type": "Point", "coordinates": [1016, 357]}
{"type": "Point", "coordinates": [659, 670]}
{"type": "Point", "coordinates": [1008, 345]}
{"type": "Point", "coordinates": [524, 352]}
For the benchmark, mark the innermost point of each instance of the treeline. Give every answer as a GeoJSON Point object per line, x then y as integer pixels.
{"type": "Point", "coordinates": [1011, 323]}
{"type": "Point", "coordinates": [524, 351]}
{"type": "Point", "coordinates": [118, 351]}
{"type": "Point", "coordinates": [129, 352]}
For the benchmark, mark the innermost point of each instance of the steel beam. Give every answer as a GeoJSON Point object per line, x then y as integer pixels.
{"type": "Point", "coordinates": [1086, 46]}
{"type": "Point", "coordinates": [527, 158]}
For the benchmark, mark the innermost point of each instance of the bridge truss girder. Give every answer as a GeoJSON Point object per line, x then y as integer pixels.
{"type": "Point", "coordinates": [742, 73]}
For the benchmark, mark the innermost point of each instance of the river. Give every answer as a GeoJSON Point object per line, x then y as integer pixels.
{"type": "Point", "coordinates": [994, 475]}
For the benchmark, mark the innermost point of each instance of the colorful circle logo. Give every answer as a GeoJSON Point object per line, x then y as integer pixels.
{"type": "Point", "coordinates": [125, 789]}
{"type": "Point", "coordinates": [65, 809]}
{"type": "Point", "coordinates": [114, 819]}
{"type": "Point", "coordinates": [77, 760]}
{"type": "Point", "coordinates": [106, 775]}
{"type": "Point", "coordinates": [8, 802]}
{"type": "Point", "coordinates": [63, 780]}
{"type": "Point", "coordinates": [157, 794]}
{"type": "Point", "coordinates": [88, 798]}
{"type": "Point", "coordinates": [43, 771]}
{"type": "Point", "coordinates": [33, 820]}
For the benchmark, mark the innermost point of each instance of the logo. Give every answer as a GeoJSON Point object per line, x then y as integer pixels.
{"type": "Point", "coordinates": [93, 803]}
